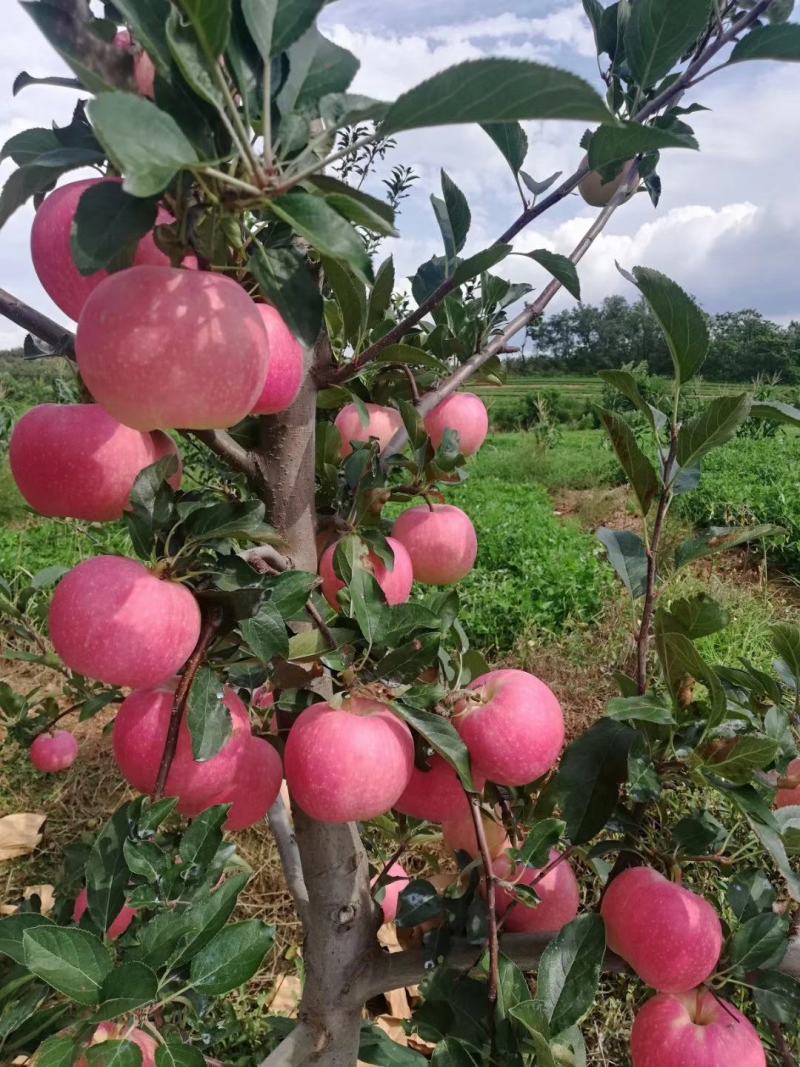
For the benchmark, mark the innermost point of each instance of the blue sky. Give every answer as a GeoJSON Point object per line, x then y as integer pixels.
{"type": "Point", "coordinates": [728, 226]}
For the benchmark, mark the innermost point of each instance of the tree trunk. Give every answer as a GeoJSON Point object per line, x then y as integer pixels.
{"type": "Point", "coordinates": [339, 937]}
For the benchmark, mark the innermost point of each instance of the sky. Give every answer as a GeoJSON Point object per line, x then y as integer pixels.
{"type": "Point", "coordinates": [728, 225]}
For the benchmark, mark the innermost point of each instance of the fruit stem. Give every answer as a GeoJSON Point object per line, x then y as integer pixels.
{"type": "Point", "coordinates": [491, 885]}
{"type": "Point", "coordinates": [211, 624]}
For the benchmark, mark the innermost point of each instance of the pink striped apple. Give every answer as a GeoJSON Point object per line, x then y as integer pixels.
{"type": "Point", "coordinates": [440, 540]}
{"type": "Point", "coordinates": [464, 412]}
{"type": "Point", "coordinates": [285, 373]}
{"type": "Point", "coordinates": [395, 582]}
{"type": "Point", "coordinates": [383, 423]}
{"type": "Point", "coordinates": [437, 794]}
{"type": "Point", "coordinates": [558, 892]}
{"type": "Point", "coordinates": [54, 752]}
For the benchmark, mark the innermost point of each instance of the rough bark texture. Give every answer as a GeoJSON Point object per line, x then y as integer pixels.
{"type": "Point", "coordinates": [340, 942]}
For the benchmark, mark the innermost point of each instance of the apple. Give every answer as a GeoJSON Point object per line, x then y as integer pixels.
{"type": "Point", "coordinates": [459, 835]}
{"type": "Point", "coordinates": [76, 461]}
{"type": "Point", "coordinates": [161, 445]}
{"type": "Point", "coordinates": [144, 71]}
{"type": "Point", "coordinates": [51, 248]}
{"type": "Point", "coordinates": [436, 795]}
{"type": "Point", "coordinates": [513, 726]}
{"type": "Point", "coordinates": [558, 892]}
{"type": "Point", "coordinates": [670, 936]}
{"type": "Point", "coordinates": [412, 936]}
{"type": "Point", "coordinates": [397, 880]}
{"type": "Point", "coordinates": [162, 348]}
{"type": "Point", "coordinates": [54, 752]}
{"type": "Point", "coordinates": [595, 191]}
{"type": "Point", "coordinates": [464, 412]}
{"type": "Point", "coordinates": [786, 798]}
{"type": "Point", "coordinates": [263, 698]}
{"type": "Point", "coordinates": [140, 733]}
{"type": "Point", "coordinates": [395, 583]}
{"type": "Point", "coordinates": [117, 1032]}
{"type": "Point", "coordinates": [112, 620]}
{"type": "Point", "coordinates": [252, 787]}
{"type": "Point", "coordinates": [119, 925]}
{"type": "Point", "coordinates": [694, 1029]}
{"type": "Point", "coordinates": [383, 423]}
{"type": "Point", "coordinates": [285, 373]}
{"type": "Point", "coordinates": [349, 763]}
{"type": "Point", "coordinates": [440, 540]}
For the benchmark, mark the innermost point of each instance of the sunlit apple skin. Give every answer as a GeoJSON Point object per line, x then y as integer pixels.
{"type": "Point", "coordinates": [350, 763]}
{"type": "Point", "coordinates": [440, 540]}
{"type": "Point", "coordinates": [51, 753]}
{"type": "Point", "coordinates": [166, 349]}
{"type": "Point", "coordinates": [558, 892]}
{"type": "Point", "coordinates": [787, 798]}
{"type": "Point", "coordinates": [464, 412]}
{"type": "Point", "coordinates": [436, 795]}
{"type": "Point", "coordinates": [459, 835]}
{"type": "Point", "coordinates": [116, 1032]}
{"type": "Point", "coordinates": [694, 1029]}
{"type": "Point", "coordinates": [514, 730]}
{"type": "Point", "coordinates": [76, 461]}
{"type": "Point", "coordinates": [285, 374]}
{"type": "Point", "coordinates": [670, 936]}
{"type": "Point", "coordinates": [392, 890]}
{"type": "Point", "coordinates": [51, 249]}
{"type": "Point", "coordinates": [383, 423]}
{"type": "Point", "coordinates": [114, 621]}
{"type": "Point", "coordinates": [395, 583]}
{"type": "Point", "coordinates": [117, 928]}
{"type": "Point", "coordinates": [140, 733]}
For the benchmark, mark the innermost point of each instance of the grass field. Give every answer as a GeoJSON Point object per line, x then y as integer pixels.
{"type": "Point", "coordinates": [589, 387]}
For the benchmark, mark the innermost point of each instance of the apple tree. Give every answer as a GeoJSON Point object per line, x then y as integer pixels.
{"type": "Point", "coordinates": [235, 317]}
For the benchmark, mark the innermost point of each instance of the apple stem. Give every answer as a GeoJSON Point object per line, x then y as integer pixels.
{"type": "Point", "coordinates": [211, 624]}
{"type": "Point", "coordinates": [491, 885]}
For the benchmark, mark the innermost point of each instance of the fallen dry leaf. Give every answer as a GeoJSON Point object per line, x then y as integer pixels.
{"type": "Point", "coordinates": [387, 937]}
{"type": "Point", "coordinates": [20, 834]}
{"type": "Point", "coordinates": [397, 1001]}
{"type": "Point", "coordinates": [287, 995]}
{"type": "Point", "coordinates": [394, 1028]}
{"type": "Point", "coordinates": [46, 894]}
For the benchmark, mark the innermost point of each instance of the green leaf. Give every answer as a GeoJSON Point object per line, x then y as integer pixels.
{"type": "Point", "coordinates": [625, 382]}
{"type": "Point", "coordinates": [144, 143]}
{"type": "Point", "coordinates": [147, 19]}
{"type": "Point", "coordinates": [127, 987]}
{"type": "Point", "coordinates": [200, 842]}
{"type": "Point", "coordinates": [719, 539]}
{"type": "Point", "coordinates": [644, 785]}
{"type": "Point", "coordinates": [472, 266]}
{"type": "Point", "coordinates": [114, 1054]}
{"type": "Point", "coordinates": [637, 467]}
{"type": "Point", "coordinates": [698, 616]}
{"type": "Point", "coordinates": [457, 213]}
{"type": "Point", "coordinates": [746, 755]}
{"type": "Point", "coordinates": [231, 958]}
{"type": "Point", "coordinates": [107, 872]}
{"type": "Point", "coordinates": [495, 90]}
{"type": "Point", "coordinates": [698, 834]}
{"type": "Point", "coordinates": [57, 1052]}
{"type": "Point", "coordinates": [775, 411]}
{"type": "Point", "coordinates": [714, 426]}
{"type": "Point", "coordinates": [209, 720]}
{"type": "Point", "coordinates": [543, 835]}
{"type": "Point", "coordinates": [107, 224]}
{"type": "Point", "coordinates": [28, 145]}
{"type": "Point", "coordinates": [12, 927]}
{"type": "Point", "coordinates": [376, 1047]}
{"type": "Point", "coordinates": [21, 185]}
{"type": "Point", "coordinates": [592, 770]}
{"type": "Point", "coordinates": [613, 145]}
{"type": "Point", "coordinates": [361, 212]}
{"type": "Point", "coordinates": [266, 634]}
{"type": "Point", "coordinates": [381, 296]}
{"type": "Point", "coordinates": [194, 61]}
{"type": "Point", "coordinates": [786, 642]}
{"type": "Point", "coordinates": [769, 42]}
{"type": "Point", "coordinates": [640, 709]}
{"type": "Point", "coordinates": [561, 267]}
{"type": "Point", "coordinates": [418, 902]}
{"type": "Point", "coordinates": [285, 280]}
{"type": "Point", "coordinates": [351, 297]}
{"type": "Point", "coordinates": [72, 961]}
{"type": "Point", "coordinates": [211, 21]}
{"type": "Point", "coordinates": [680, 660]}
{"type": "Point", "coordinates": [569, 971]}
{"type": "Point", "coordinates": [292, 19]}
{"type": "Point", "coordinates": [512, 141]}
{"type": "Point", "coordinates": [317, 67]}
{"type": "Point", "coordinates": [259, 16]}
{"type": "Point", "coordinates": [758, 941]}
{"type": "Point", "coordinates": [626, 554]}
{"type": "Point", "coordinates": [55, 25]}
{"type": "Point", "coordinates": [658, 33]}
{"type": "Point", "coordinates": [681, 320]}
{"type": "Point", "coordinates": [325, 229]}
{"type": "Point", "coordinates": [750, 893]}
{"type": "Point", "coordinates": [776, 995]}
{"type": "Point", "coordinates": [176, 1054]}
{"type": "Point", "coordinates": [410, 356]}
{"type": "Point", "coordinates": [442, 737]}
{"type": "Point", "coordinates": [772, 842]}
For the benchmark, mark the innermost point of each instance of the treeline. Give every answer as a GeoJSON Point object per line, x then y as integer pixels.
{"type": "Point", "coordinates": [585, 339]}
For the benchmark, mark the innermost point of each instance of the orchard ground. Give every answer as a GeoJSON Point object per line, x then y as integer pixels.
{"type": "Point", "coordinates": [535, 600]}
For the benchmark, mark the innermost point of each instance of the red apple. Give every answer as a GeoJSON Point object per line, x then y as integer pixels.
{"type": "Point", "coordinates": [395, 583]}
{"type": "Point", "coordinates": [694, 1029]}
{"type": "Point", "coordinates": [140, 733]}
{"type": "Point", "coordinates": [114, 621]}
{"type": "Point", "coordinates": [251, 790]}
{"type": "Point", "coordinates": [397, 880]}
{"type": "Point", "coordinates": [558, 892]}
{"type": "Point", "coordinates": [165, 349]}
{"type": "Point", "coordinates": [513, 728]}
{"type": "Point", "coordinates": [76, 461]}
{"type": "Point", "coordinates": [440, 540]}
{"type": "Point", "coordinates": [285, 374]}
{"type": "Point", "coordinates": [51, 248]}
{"type": "Point", "coordinates": [54, 752]}
{"type": "Point", "coordinates": [263, 698]}
{"type": "Point", "coordinates": [383, 423]}
{"type": "Point", "coordinates": [436, 794]}
{"type": "Point", "coordinates": [670, 936]}
{"type": "Point", "coordinates": [787, 798]}
{"type": "Point", "coordinates": [463, 412]}
{"type": "Point", "coordinates": [349, 763]}
{"type": "Point", "coordinates": [117, 1032]}
{"type": "Point", "coordinates": [144, 71]}
{"type": "Point", "coordinates": [459, 835]}
{"type": "Point", "coordinates": [119, 925]}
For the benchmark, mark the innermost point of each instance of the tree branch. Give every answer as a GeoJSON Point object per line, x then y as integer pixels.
{"type": "Point", "coordinates": [491, 888]}
{"type": "Point", "coordinates": [58, 337]}
{"type": "Point", "coordinates": [297, 1047]}
{"type": "Point", "coordinates": [282, 830]}
{"type": "Point", "coordinates": [229, 450]}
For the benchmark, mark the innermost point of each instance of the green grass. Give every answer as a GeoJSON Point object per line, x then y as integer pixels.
{"type": "Point", "coordinates": [580, 460]}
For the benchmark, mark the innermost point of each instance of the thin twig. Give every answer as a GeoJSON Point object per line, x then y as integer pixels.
{"type": "Point", "coordinates": [208, 632]}
{"type": "Point", "coordinates": [59, 337]}
{"type": "Point", "coordinates": [228, 449]}
{"type": "Point", "coordinates": [319, 622]}
{"type": "Point", "coordinates": [781, 1045]}
{"type": "Point", "coordinates": [491, 887]}
{"type": "Point", "coordinates": [282, 830]}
